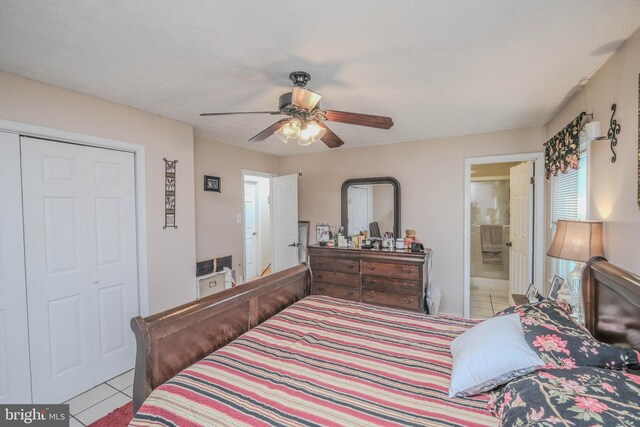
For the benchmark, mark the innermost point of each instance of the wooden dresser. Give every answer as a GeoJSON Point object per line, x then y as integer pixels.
{"type": "Point", "coordinates": [384, 277]}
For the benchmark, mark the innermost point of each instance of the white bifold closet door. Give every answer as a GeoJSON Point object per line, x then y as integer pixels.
{"type": "Point", "coordinates": [15, 382]}
{"type": "Point", "coordinates": [80, 247]}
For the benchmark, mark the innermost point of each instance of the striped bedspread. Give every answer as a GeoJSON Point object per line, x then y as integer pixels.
{"type": "Point", "coordinates": [324, 362]}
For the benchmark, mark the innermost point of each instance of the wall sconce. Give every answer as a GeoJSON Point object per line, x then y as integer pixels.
{"type": "Point", "coordinates": [593, 132]}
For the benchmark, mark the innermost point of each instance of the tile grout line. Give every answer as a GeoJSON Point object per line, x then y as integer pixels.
{"type": "Point", "coordinates": [108, 397]}
{"type": "Point", "coordinates": [72, 416]}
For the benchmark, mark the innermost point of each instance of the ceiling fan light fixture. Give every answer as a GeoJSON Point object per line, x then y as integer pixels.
{"type": "Point", "coordinates": [290, 132]}
{"type": "Point", "coordinates": [311, 133]}
{"type": "Point", "coordinates": [305, 98]}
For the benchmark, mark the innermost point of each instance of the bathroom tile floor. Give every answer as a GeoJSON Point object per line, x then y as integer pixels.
{"type": "Point", "coordinates": [99, 401]}
{"type": "Point", "coordinates": [488, 299]}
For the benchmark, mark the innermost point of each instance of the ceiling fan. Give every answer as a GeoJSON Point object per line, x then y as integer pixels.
{"type": "Point", "coordinates": [305, 122]}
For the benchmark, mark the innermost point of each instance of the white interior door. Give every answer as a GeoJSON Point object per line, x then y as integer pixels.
{"type": "Point", "coordinates": [359, 208]}
{"type": "Point", "coordinates": [15, 382]}
{"type": "Point", "coordinates": [251, 259]}
{"type": "Point", "coordinates": [80, 250]}
{"type": "Point", "coordinates": [113, 265]}
{"type": "Point", "coordinates": [521, 230]}
{"type": "Point", "coordinates": [284, 217]}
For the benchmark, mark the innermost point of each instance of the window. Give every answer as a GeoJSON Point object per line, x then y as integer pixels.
{"type": "Point", "coordinates": [569, 201]}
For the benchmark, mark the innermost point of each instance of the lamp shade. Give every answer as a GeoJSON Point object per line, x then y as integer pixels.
{"type": "Point", "coordinates": [577, 240]}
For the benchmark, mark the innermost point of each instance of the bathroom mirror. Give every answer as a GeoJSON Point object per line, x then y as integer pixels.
{"type": "Point", "coordinates": [371, 200]}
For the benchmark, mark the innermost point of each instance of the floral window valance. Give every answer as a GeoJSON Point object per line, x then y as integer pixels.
{"type": "Point", "coordinates": [562, 152]}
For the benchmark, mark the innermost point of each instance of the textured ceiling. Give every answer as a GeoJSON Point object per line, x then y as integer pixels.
{"type": "Point", "coordinates": [437, 67]}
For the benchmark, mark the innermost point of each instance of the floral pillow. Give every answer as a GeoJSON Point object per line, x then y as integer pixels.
{"type": "Point", "coordinates": [561, 342]}
{"type": "Point", "coordinates": [582, 396]}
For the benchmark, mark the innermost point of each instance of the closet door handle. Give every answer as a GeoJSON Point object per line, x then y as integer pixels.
{"type": "Point", "coordinates": [95, 280]}
{"type": "Point", "coordinates": [509, 244]}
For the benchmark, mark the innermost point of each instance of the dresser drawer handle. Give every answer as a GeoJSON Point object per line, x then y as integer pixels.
{"type": "Point", "coordinates": [351, 292]}
{"type": "Point", "coordinates": [372, 267]}
{"type": "Point", "coordinates": [371, 281]}
{"type": "Point", "coordinates": [350, 266]}
{"type": "Point", "coordinates": [406, 269]}
{"type": "Point", "coordinates": [407, 286]}
{"type": "Point", "coordinates": [371, 294]}
{"type": "Point", "coordinates": [320, 275]}
{"type": "Point", "coordinates": [407, 300]}
{"type": "Point", "coordinates": [320, 289]}
{"type": "Point", "coordinates": [320, 262]}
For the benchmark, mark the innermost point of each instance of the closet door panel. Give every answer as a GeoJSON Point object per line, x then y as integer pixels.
{"type": "Point", "coordinates": [15, 381]}
{"type": "Point", "coordinates": [54, 179]}
{"type": "Point", "coordinates": [112, 258]}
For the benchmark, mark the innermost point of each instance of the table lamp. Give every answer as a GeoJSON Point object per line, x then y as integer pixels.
{"type": "Point", "coordinates": [577, 241]}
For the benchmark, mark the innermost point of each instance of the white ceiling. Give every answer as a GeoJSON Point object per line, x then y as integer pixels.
{"type": "Point", "coordinates": [437, 67]}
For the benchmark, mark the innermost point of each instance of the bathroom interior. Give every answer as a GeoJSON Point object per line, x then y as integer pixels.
{"type": "Point", "coordinates": [489, 253]}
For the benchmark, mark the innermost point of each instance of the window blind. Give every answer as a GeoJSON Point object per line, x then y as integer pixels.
{"type": "Point", "coordinates": [565, 196]}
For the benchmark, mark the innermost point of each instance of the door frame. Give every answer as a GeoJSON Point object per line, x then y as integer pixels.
{"type": "Point", "coordinates": [539, 229]}
{"type": "Point", "coordinates": [26, 129]}
{"type": "Point", "coordinates": [243, 174]}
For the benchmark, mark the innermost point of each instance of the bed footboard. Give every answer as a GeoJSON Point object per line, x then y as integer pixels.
{"type": "Point", "coordinates": [173, 340]}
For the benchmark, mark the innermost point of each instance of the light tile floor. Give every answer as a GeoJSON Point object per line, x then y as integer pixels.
{"type": "Point", "coordinates": [99, 401]}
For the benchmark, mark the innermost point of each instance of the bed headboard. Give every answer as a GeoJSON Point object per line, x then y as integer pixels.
{"type": "Point", "coordinates": [612, 304]}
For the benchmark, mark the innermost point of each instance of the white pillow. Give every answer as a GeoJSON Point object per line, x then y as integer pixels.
{"type": "Point", "coordinates": [490, 354]}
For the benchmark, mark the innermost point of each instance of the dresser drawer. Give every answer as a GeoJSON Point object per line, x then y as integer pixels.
{"type": "Point", "coordinates": [403, 286]}
{"type": "Point", "coordinates": [332, 264]}
{"type": "Point", "coordinates": [343, 292]}
{"type": "Point", "coordinates": [400, 271]}
{"type": "Point", "coordinates": [411, 302]}
{"type": "Point", "coordinates": [342, 279]}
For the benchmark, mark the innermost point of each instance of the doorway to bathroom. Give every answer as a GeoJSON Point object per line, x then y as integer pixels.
{"type": "Point", "coordinates": [503, 230]}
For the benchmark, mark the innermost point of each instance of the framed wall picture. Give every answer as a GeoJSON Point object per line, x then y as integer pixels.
{"type": "Point", "coordinates": [170, 193]}
{"type": "Point", "coordinates": [555, 287]}
{"type": "Point", "coordinates": [212, 183]}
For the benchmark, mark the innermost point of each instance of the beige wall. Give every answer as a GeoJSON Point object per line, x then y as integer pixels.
{"type": "Point", "coordinates": [613, 186]}
{"type": "Point", "coordinates": [219, 234]}
{"type": "Point", "coordinates": [171, 252]}
{"type": "Point", "coordinates": [431, 175]}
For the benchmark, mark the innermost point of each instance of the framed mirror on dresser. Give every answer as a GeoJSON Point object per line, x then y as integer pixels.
{"type": "Point", "coordinates": [367, 201]}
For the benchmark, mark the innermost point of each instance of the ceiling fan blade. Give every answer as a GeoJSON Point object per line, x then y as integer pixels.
{"type": "Point", "coordinates": [269, 131]}
{"type": "Point", "coordinates": [330, 139]}
{"type": "Point", "coordinates": [359, 119]}
{"type": "Point", "coordinates": [274, 113]}
{"type": "Point", "coordinates": [304, 98]}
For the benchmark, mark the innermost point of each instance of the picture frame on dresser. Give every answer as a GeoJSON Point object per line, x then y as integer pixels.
{"type": "Point", "coordinates": [556, 285]}
{"type": "Point", "coordinates": [322, 233]}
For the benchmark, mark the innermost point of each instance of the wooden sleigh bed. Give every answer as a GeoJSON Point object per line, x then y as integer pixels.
{"type": "Point", "coordinates": [170, 341]}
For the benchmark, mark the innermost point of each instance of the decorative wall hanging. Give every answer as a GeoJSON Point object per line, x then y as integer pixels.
{"type": "Point", "coordinates": [614, 130]}
{"type": "Point", "coordinates": [170, 194]}
{"type": "Point", "coordinates": [562, 152]}
{"type": "Point", "coordinates": [212, 183]}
